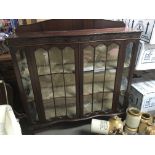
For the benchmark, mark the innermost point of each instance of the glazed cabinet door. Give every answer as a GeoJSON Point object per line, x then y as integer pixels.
{"type": "Point", "coordinates": [100, 69]}
{"type": "Point", "coordinates": [53, 74]}
{"type": "Point", "coordinates": [57, 76]}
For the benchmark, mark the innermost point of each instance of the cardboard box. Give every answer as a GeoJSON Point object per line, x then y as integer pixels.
{"type": "Point", "coordinates": [146, 56]}
{"type": "Point", "coordinates": [146, 51]}
{"type": "Point", "coordinates": [145, 25]}
{"type": "Point", "coordinates": [142, 95]}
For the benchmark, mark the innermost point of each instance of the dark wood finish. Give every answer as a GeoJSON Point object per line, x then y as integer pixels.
{"type": "Point", "coordinates": [76, 34]}
{"type": "Point", "coordinates": [35, 83]}
{"type": "Point", "coordinates": [47, 39]}
{"type": "Point", "coordinates": [67, 25]}
{"type": "Point", "coordinates": [6, 68]}
{"type": "Point", "coordinates": [3, 98]}
{"type": "Point", "coordinates": [81, 79]}
{"type": "Point", "coordinates": [6, 94]}
{"type": "Point", "coordinates": [118, 78]}
{"type": "Point", "coordinates": [76, 56]}
{"type": "Point", "coordinates": [104, 76]}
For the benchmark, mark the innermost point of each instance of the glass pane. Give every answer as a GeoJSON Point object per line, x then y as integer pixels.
{"type": "Point", "coordinates": [69, 79]}
{"type": "Point", "coordinates": [58, 84]}
{"type": "Point", "coordinates": [99, 76]}
{"type": "Point", "coordinates": [25, 76]}
{"type": "Point", "coordinates": [68, 59]}
{"type": "Point", "coordinates": [107, 102]}
{"type": "Point", "coordinates": [111, 64]}
{"type": "Point", "coordinates": [87, 100]}
{"type": "Point", "coordinates": [113, 50]}
{"type": "Point", "coordinates": [42, 61]}
{"type": "Point", "coordinates": [49, 108]}
{"type": "Point", "coordinates": [110, 79]}
{"type": "Point", "coordinates": [98, 82]}
{"type": "Point", "coordinates": [98, 87]}
{"type": "Point", "coordinates": [71, 106]}
{"type": "Point", "coordinates": [56, 60]}
{"type": "Point", "coordinates": [112, 55]}
{"type": "Point", "coordinates": [87, 83]}
{"type": "Point", "coordinates": [88, 55]}
{"type": "Point", "coordinates": [100, 57]}
{"type": "Point", "coordinates": [124, 81]}
{"type": "Point", "coordinates": [70, 85]}
{"type": "Point", "coordinates": [46, 87]}
{"type": "Point", "coordinates": [60, 106]}
{"type": "Point", "coordinates": [128, 53]}
{"type": "Point", "coordinates": [110, 75]}
{"type": "Point", "coordinates": [97, 101]}
{"type": "Point", "coordinates": [32, 110]}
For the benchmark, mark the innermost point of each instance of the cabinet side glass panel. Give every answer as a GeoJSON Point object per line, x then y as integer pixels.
{"type": "Point", "coordinates": [124, 81]}
{"type": "Point", "coordinates": [25, 77]}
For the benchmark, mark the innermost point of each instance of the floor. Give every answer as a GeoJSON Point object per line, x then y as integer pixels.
{"type": "Point", "coordinates": [70, 128]}
{"type": "Point", "coordinates": [74, 130]}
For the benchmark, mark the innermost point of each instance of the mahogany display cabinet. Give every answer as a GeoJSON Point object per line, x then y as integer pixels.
{"type": "Point", "coordinates": [71, 70]}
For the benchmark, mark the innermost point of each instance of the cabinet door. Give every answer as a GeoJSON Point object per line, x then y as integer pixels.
{"type": "Point", "coordinates": [98, 69]}
{"type": "Point", "coordinates": [57, 71]}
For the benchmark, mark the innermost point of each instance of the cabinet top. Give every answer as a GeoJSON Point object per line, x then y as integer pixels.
{"type": "Point", "coordinates": [71, 30]}
{"type": "Point", "coordinates": [85, 32]}
{"type": "Point", "coordinates": [69, 24]}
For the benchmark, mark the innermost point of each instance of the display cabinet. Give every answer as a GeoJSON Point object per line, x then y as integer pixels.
{"type": "Point", "coordinates": [70, 70]}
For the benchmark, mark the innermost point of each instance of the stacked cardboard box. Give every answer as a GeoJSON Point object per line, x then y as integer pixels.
{"type": "Point", "coordinates": [142, 93]}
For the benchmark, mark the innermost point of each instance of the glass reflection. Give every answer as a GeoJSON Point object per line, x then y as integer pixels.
{"type": "Point", "coordinates": [42, 61]}
{"type": "Point", "coordinates": [107, 102]}
{"type": "Point", "coordinates": [88, 57]}
{"type": "Point", "coordinates": [87, 100]}
{"type": "Point", "coordinates": [112, 56]}
{"type": "Point", "coordinates": [56, 60]}
{"type": "Point", "coordinates": [128, 53]}
{"type": "Point", "coordinates": [71, 107]}
{"type": "Point", "coordinates": [26, 81]}
{"type": "Point", "coordinates": [100, 57]}
{"type": "Point", "coordinates": [124, 81]}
